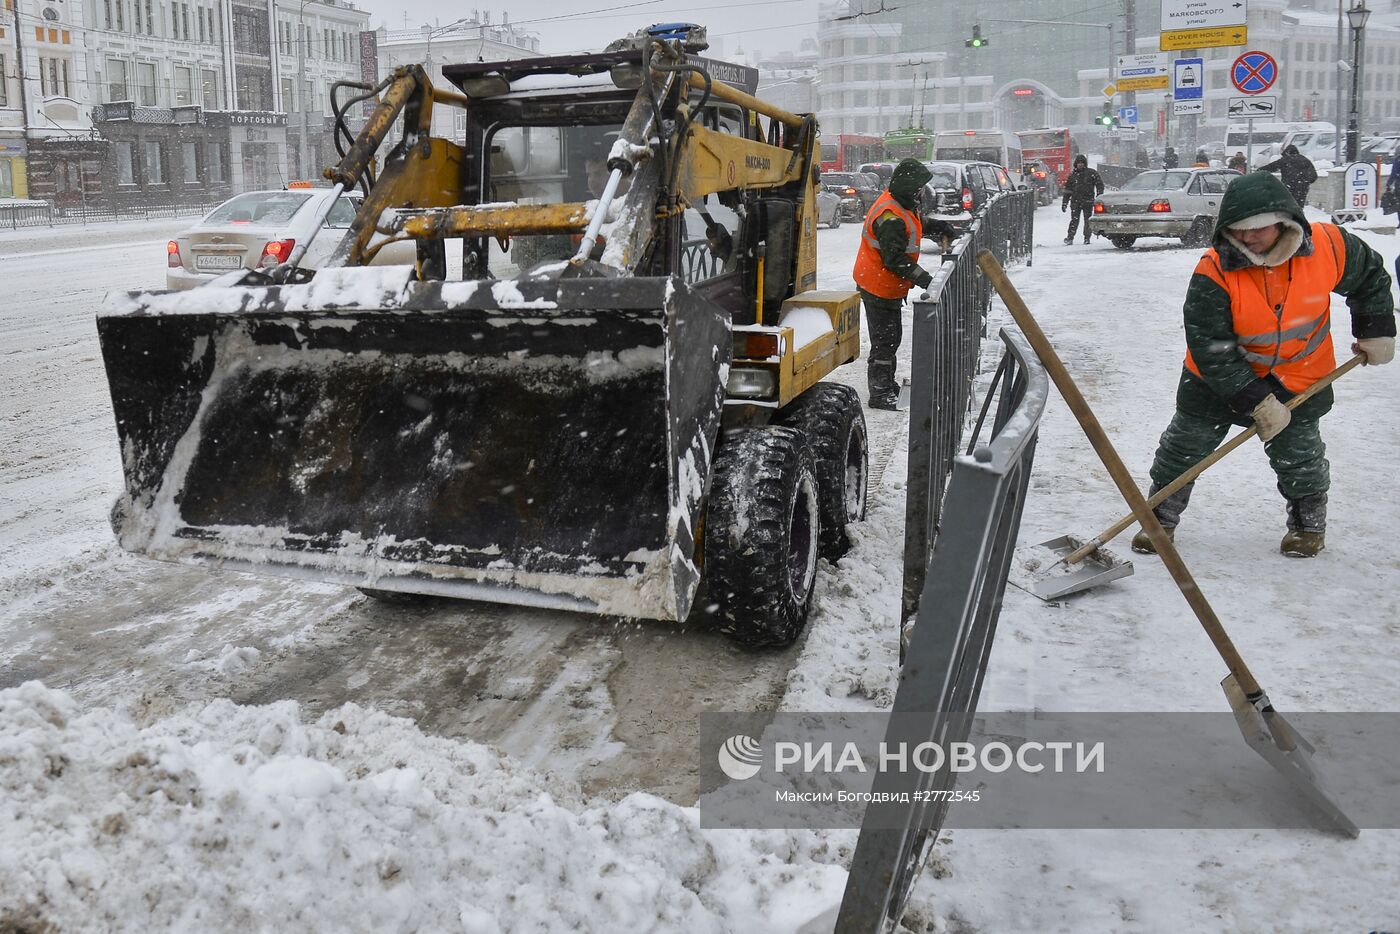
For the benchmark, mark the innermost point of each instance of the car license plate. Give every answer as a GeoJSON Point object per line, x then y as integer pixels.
{"type": "Point", "coordinates": [217, 261]}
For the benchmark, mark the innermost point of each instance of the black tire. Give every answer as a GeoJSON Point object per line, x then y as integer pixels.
{"type": "Point", "coordinates": [1122, 241]}
{"type": "Point", "coordinates": [762, 529]}
{"type": "Point", "coordinates": [835, 219]}
{"type": "Point", "coordinates": [1199, 234]}
{"type": "Point", "coordinates": [831, 417]}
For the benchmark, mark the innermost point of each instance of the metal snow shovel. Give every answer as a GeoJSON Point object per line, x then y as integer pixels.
{"type": "Point", "coordinates": [1264, 728]}
{"type": "Point", "coordinates": [1051, 569]}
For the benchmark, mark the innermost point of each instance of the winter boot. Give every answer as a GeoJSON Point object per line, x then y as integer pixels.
{"type": "Point", "coordinates": [1307, 525]}
{"type": "Point", "coordinates": [1069, 241]}
{"type": "Point", "coordinates": [1168, 513]}
{"type": "Point", "coordinates": [884, 394]}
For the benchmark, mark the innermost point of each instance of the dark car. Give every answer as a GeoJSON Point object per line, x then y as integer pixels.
{"type": "Point", "coordinates": [881, 170]}
{"type": "Point", "coordinates": [864, 188]}
{"type": "Point", "coordinates": [1042, 179]}
{"type": "Point", "coordinates": [959, 189]}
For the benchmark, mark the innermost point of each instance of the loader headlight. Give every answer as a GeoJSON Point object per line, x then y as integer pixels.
{"type": "Point", "coordinates": [751, 382]}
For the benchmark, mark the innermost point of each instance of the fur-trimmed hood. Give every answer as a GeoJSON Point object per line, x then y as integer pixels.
{"type": "Point", "coordinates": [1251, 195]}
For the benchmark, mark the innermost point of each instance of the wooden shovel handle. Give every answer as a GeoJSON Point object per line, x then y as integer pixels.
{"type": "Point", "coordinates": [1112, 532]}
{"type": "Point", "coordinates": [1119, 472]}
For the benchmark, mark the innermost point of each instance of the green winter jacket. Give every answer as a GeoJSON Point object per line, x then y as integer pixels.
{"type": "Point", "coordinates": [906, 184]}
{"type": "Point", "coordinates": [1227, 386]}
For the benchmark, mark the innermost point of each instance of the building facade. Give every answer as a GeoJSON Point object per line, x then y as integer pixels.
{"type": "Point", "coordinates": [1048, 63]}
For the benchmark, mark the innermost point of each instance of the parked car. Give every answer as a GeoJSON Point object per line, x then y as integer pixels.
{"type": "Point", "coordinates": [1383, 148]}
{"type": "Point", "coordinates": [862, 186]}
{"type": "Point", "coordinates": [958, 190]}
{"type": "Point", "coordinates": [1172, 203]}
{"type": "Point", "coordinates": [1042, 179]}
{"type": "Point", "coordinates": [828, 208]}
{"type": "Point", "coordinates": [258, 229]}
{"type": "Point", "coordinates": [881, 170]}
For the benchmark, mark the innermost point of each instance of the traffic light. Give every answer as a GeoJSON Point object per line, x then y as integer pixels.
{"type": "Point", "coordinates": [976, 42]}
{"type": "Point", "coordinates": [1107, 118]}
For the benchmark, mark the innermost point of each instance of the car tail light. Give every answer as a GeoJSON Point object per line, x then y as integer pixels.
{"type": "Point", "coordinates": [1039, 174]}
{"type": "Point", "coordinates": [967, 199]}
{"type": "Point", "coordinates": [850, 191]}
{"type": "Point", "coordinates": [1099, 208]}
{"type": "Point", "coordinates": [276, 252]}
{"type": "Point", "coordinates": [172, 255]}
{"type": "Point", "coordinates": [1160, 206]}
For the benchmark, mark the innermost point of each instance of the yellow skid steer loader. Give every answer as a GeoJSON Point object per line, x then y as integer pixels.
{"type": "Point", "coordinates": [618, 396]}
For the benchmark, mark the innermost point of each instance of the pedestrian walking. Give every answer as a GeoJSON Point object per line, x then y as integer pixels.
{"type": "Point", "coordinates": [1258, 332]}
{"type": "Point", "coordinates": [1297, 171]}
{"type": "Point", "coordinates": [1202, 160]}
{"type": "Point", "coordinates": [1238, 162]}
{"type": "Point", "coordinates": [1081, 188]}
{"type": "Point", "coordinates": [1170, 160]}
{"type": "Point", "coordinates": [1390, 199]}
{"type": "Point", "coordinates": [887, 267]}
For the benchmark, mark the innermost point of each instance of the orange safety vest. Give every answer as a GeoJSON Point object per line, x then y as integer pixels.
{"type": "Point", "coordinates": [870, 272]}
{"type": "Point", "coordinates": [1282, 314]}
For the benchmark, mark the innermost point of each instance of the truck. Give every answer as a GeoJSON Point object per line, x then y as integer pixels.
{"type": "Point", "coordinates": [618, 405]}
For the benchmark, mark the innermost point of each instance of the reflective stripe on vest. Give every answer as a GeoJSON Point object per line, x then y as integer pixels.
{"type": "Point", "coordinates": [870, 272]}
{"type": "Point", "coordinates": [1293, 343]}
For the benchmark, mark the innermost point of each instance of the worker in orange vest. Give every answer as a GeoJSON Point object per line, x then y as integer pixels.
{"type": "Point", "coordinates": [887, 267]}
{"type": "Point", "coordinates": [1258, 332]}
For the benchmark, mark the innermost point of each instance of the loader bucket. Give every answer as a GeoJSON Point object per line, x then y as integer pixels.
{"type": "Point", "coordinates": [541, 440]}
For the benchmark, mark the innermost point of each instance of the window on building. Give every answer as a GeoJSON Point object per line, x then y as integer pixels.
{"type": "Point", "coordinates": [136, 15]}
{"type": "Point", "coordinates": [146, 84]}
{"type": "Point", "coordinates": [126, 162]}
{"type": "Point", "coordinates": [185, 18]}
{"type": "Point", "coordinates": [121, 15]}
{"type": "Point", "coordinates": [117, 75]}
{"type": "Point", "coordinates": [150, 18]}
{"type": "Point", "coordinates": [214, 160]}
{"type": "Point", "coordinates": [209, 82]}
{"type": "Point", "coordinates": [7, 178]}
{"type": "Point", "coordinates": [184, 86]}
{"type": "Point", "coordinates": [289, 102]}
{"type": "Point", "coordinates": [155, 163]}
{"type": "Point", "coordinates": [4, 88]}
{"type": "Point", "coordinates": [189, 161]}
{"type": "Point", "coordinates": [107, 9]}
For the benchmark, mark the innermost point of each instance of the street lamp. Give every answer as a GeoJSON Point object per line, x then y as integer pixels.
{"type": "Point", "coordinates": [1312, 107]}
{"type": "Point", "coordinates": [1356, 16]}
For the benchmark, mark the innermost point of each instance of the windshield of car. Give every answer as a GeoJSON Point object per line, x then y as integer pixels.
{"type": "Point", "coordinates": [971, 153]}
{"type": "Point", "coordinates": [258, 207]}
{"type": "Point", "coordinates": [1157, 181]}
{"type": "Point", "coordinates": [944, 176]}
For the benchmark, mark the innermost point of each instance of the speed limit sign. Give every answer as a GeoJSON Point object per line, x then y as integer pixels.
{"type": "Point", "coordinates": [1358, 193]}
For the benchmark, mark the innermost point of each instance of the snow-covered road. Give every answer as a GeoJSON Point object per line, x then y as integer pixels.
{"type": "Point", "coordinates": [150, 656]}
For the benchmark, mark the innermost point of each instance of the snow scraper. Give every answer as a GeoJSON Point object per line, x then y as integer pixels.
{"type": "Point", "coordinates": [619, 395]}
{"type": "Point", "coordinates": [1053, 569]}
{"type": "Point", "coordinates": [1263, 727]}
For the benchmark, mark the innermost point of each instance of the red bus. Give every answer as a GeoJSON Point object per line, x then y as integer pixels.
{"type": "Point", "coordinates": [848, 151]}
{"type": "Point", "coordinates": [1054, 148]}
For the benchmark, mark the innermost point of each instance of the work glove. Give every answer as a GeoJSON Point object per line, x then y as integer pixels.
{"type": "Point", "coordinates": [924, 279]}
{"type": "Point", "coordinates": [1378, 350]}
{"type": "Point", "coordinates": [1270, 417]}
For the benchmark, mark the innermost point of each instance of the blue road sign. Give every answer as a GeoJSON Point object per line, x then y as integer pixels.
{"type": "Point", "coordinates": [1128, 115]}
{"type": "Point", "coordinates": [1254, 72]}
{"type": "Point", "coordinates": [1189, 79]}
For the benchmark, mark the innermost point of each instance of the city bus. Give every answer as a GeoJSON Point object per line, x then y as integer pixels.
{"type": "Point", "coordinates": [846, 151]}
{"type": "Point", "coordinates": [997, 146]}
{"type": "Point", "coordinates": [1054, 148]}
{"type": "Point", "coordinates": [910, 143]}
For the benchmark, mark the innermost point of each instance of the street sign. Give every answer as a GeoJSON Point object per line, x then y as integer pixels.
{"type": "Point", "coordinates": [1128, 115]}
{"type": "Point", "coordinates": [1126, 132]}
{"type": "Point", "coordinates": [1180, 15]}
{"type": "Point", "coordinates": [1185, 108]}
{"type": "Point", "coordinates": [1254, 72]}
{"type": "Point", "coordinates": [1358, 193]}
{"type": "Point", "coordinates": [1265, 105]}
{"type": "Point", "coordinates": [1189, 79]}
{"type": "Point", "coordinates": [1109, 90]}
{"type": "Point", "coordinates": [1217, 37]}
{"type": "Point", "coordinates": [1147, 72]}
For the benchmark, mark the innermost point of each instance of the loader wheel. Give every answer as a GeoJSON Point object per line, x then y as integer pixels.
{"type": "Point", "coordinates": [761, 535]}
{"type": "Point", "coordinates": [396, 597]}
{"type": "Point", "coordinates": [831, 417]}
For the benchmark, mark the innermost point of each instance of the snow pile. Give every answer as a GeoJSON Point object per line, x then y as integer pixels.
{"type": "Point", "coordinates": [227, 817]}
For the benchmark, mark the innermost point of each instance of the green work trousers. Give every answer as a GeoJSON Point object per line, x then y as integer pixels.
{"type": "Point", "coordinates": [1297, 454]}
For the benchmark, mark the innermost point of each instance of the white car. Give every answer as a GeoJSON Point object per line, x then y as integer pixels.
{"type": "Point", "coordinates": [258, 229]}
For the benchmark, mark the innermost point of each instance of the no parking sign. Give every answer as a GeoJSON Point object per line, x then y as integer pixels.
{"type": "Point", "coordinates": [1254, 72]}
